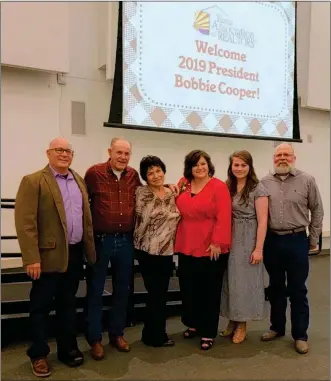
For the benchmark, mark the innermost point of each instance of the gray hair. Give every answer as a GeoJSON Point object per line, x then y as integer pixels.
{"type": "Point", "coordinates": [119, 138]}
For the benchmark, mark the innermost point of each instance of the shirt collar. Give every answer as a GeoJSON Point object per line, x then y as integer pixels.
{"type": "Point", "coordinates": [110, 169]}
{"type": "Point", "coordinates": [292, 172]}
{"type": "Point", "coordinates": [57, 174]}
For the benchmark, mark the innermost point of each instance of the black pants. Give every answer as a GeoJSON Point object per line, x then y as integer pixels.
{"type": "Point", "coordinates": [286, 261]}
{"type": "Point", "coordinates": [200, 281]}
{"type": "Point", "coordinates": [61, 287]}
{"type": "Point", "coordinates": [156, 271]}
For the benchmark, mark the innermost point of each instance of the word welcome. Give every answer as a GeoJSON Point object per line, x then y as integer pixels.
{"type": "Point", "coordinates": [214, 50]}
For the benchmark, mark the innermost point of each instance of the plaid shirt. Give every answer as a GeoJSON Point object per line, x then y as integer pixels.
{"type": "Point", "coordinates": [112, 200]}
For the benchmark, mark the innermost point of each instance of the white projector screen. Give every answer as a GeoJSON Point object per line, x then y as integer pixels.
{"type": "Point", "coordinates": [219, 68]}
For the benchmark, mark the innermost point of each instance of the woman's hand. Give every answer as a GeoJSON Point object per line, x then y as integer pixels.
{"type": "Point", "coordinates": [256, 257]}
{"type": "Point", "coordinates": [214, 252]}
{"type": "Point", "coordinates": [174, 189]}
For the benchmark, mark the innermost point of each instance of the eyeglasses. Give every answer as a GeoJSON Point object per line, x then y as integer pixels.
{"type": "Point", "coordinates": [285, 155]}
{"type": "Point", "coordinates": [60, 151]}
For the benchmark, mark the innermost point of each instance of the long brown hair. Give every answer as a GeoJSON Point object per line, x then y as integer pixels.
{"type": "Point", "coordinates": [251, 180]}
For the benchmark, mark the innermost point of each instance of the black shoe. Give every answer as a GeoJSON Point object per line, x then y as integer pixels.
{"type": "Point", "coordinates": [73, 358]}
{"type": "Point", "coordinates": [190, 333]}
{"type": "Point", "coordinates": [168, 343]}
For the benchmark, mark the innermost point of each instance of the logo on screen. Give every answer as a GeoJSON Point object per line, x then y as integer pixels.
{"type": "Point", "coordinates": [216, 23]}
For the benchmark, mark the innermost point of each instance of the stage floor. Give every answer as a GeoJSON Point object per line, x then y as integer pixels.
{"type": "Point", "coordinates": [252, 360]}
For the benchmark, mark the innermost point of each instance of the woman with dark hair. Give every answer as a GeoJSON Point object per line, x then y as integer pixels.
{"type": "Point", "coordinates": [243, 288]}
{"type": "Point", "coordinates": [156, 222]}
{"type": "Point", "coordinates": [203, 242]}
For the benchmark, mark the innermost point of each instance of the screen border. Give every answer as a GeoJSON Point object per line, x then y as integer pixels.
{"type": "Point", "coordinates": [116, 107]}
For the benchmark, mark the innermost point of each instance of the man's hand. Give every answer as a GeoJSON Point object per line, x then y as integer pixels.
{"type": "Point", "coordinates": [215, 251]}
{"type": "Point", "coordinates": [174, 189]}
{"type": "Point", "coordinates": [33, 271]}
{"type": "Point", "coordinates": [256, 257]}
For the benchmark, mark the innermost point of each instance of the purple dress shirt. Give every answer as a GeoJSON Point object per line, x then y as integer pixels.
{"type": "Point", "coordinates": [73, 205]}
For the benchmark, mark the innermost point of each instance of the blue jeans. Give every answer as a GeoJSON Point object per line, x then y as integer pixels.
{"type": "Point", "coordinates": [286, 261]}
{"type": "Point", "coordinates": [118, 250]}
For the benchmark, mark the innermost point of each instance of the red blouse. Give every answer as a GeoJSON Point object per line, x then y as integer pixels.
{"type": "Point", "coordinates": [206, 218]}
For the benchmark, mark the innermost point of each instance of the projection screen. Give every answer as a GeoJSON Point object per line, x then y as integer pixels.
{"type": "Point", "coordinates": [212, 68]}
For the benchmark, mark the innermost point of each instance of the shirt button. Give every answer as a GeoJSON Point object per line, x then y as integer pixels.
{"type": "Point", "coordinates": [120, 225]}
{"type": "Point", "coordinates": [121, 214]}
{"type": "Point", "coordinates": [120, 202]}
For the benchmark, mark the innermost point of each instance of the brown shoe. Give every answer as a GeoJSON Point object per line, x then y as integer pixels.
{"type": "Point", "coordinates": [40, 367]}
{"type": "Point", "coordinates": [270, 335]}
{"type": "Point", "coordinates": [120, 344]}
{"type": "Point", "coordinates": [240, 333]}
{"type": "Point", "coordinates": [301, 346]}
{"type": "Point", "coordinates": [97, 352]}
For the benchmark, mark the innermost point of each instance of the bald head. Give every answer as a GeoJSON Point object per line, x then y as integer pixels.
{"type": "Point", "coordinates": [57, 142]}
{"type": "Point", "coordinates": [284, 146]}
{"type": "Point", "coordinates": [60, 155]}
{"type": "Point", "coordinates": [284, 159]}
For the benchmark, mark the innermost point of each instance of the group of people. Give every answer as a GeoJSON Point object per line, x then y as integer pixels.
{"type": "Point", "coordinates": [223, 232]}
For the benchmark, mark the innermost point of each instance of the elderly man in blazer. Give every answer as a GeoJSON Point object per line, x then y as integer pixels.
{"type": "Point", "coordinates": [55, 234]}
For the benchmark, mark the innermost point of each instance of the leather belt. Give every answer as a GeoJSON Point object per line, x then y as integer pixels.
{"type": "Point", "coordinates": [288, 232]}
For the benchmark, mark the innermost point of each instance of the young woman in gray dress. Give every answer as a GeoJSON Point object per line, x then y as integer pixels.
{"type": "Point", "coordinates": [243, 288]}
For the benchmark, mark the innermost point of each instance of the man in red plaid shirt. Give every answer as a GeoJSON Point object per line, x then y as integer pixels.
{"type": "Point", "coordinates": [111, 186]}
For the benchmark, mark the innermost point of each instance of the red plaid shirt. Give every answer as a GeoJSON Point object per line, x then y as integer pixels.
{"type": "Point", "coordinates": [112, 200]}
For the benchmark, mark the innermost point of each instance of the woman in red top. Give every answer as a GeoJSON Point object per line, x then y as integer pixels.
{"type": "Point", "coordinates": [203, 242]}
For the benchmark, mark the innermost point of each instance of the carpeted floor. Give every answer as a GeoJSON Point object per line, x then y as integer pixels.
{"type": "Point", "coordinates": [252, 360]}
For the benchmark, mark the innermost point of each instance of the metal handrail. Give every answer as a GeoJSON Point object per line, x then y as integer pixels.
{"type": "Point", "coordinates": [4, 206]}
{"type": "Point", "coordinates": [12, 237]}
{"type": "Point", "coordinates": [9, 203]}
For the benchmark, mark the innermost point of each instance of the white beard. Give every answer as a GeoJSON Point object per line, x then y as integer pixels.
{"type": "Point", "coordinates": [283, 170]}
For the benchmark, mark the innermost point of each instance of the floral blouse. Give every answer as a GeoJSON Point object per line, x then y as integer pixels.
{"type": "Point", "coordinates": [156, 222]}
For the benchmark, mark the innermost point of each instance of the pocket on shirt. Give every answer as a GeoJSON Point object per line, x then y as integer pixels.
{"type": "Point", "coordinates": [47, 244]}
{"type": "Point", "coordinates": [102, 195]}
{"type": "Point", "coordinates": [299, 197]}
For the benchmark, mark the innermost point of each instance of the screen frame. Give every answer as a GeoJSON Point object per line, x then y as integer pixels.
{"type": "Point", "coordinates": [116, 106]}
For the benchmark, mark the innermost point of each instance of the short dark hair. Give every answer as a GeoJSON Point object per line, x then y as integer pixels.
{"type": "Point", "coordinates": [191, 160]}
{"type": "Point", "coordinates": [148, 162]}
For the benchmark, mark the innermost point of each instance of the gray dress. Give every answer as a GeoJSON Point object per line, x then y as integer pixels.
{"type": "Point", "coordinates": [243, 283]}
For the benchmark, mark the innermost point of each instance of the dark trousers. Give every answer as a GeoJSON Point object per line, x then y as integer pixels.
{"type": "Point", "coordinates": [156, 271]}
{"type": "Point", "coordinates": [61, 287]}
{"type": "Point", "coordinates": [200, 281]}
{"type": "Point", "coordinates": [286, 261]}
{"type": "Point", "coordinates": [116, 249]}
